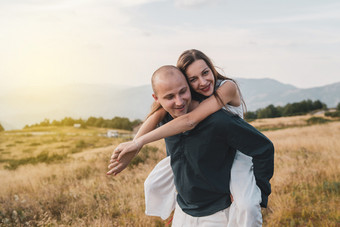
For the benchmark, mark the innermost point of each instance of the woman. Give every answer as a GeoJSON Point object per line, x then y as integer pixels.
{"type": "Point", "coordinates": [217, 92]}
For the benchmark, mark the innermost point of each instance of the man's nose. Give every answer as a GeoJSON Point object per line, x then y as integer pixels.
{"type": "Point", "coordinates": [179, 100]}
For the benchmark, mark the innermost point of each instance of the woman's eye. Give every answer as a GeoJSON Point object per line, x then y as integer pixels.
{"type": "Point", "coordinates": [205, 72]}
{"type": "Point", "coordinates": [193, 80]}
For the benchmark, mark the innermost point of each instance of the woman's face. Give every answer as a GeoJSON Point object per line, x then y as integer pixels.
{"type": "Point", "coordinates": [201, 78]}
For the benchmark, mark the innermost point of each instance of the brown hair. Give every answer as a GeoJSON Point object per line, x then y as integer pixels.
{"type": "Point", "coordinates": [188, 57]}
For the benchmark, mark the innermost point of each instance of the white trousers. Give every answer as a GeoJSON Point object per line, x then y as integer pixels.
{"type": "Point", "coordinates": [217, 219]}
{"type": "Point", "coordinates": [245, 211]}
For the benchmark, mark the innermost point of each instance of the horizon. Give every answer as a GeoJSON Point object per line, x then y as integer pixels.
{"type": "Point", "coordinates": [124, 41]}
{"type": "Point", "coordinates": [32, 104]}
{"type": "Point", "coordinates": [126, 86]}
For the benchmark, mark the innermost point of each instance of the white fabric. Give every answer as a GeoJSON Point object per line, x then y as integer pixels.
{"type": "Point", "coordinates": [217, 219]}
{"type": "Point", "coordinates": [160, 191]}
{"type": "Point", "coordinates": [238, 110]}
{"type": "Point", "coordinates": [245, 210]}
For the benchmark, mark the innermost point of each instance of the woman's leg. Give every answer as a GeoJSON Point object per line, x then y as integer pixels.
{"type": "Point", "coordinates": [245, 209]}
{"type": "Point", "coordinates": [160, 191]}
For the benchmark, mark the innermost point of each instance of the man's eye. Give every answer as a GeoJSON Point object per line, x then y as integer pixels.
{"type": "Point", "coordinates": [183, 91]}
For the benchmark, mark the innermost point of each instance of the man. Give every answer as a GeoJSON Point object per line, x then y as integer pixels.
{"type": "Point", "coordinates": [201, 159]}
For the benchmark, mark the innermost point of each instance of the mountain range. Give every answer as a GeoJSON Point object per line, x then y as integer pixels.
{"type": "Point", "coordinates": [30, 105]}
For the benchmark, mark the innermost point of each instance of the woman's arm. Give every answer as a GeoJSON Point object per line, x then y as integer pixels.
{"type": "Point", "coordinates": [149, 124]}
{"type": "Point", "coordinates": [228, 93]}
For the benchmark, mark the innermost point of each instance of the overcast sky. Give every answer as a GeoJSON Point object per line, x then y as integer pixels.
{"type": "Point", "coordinates": [44, 42]}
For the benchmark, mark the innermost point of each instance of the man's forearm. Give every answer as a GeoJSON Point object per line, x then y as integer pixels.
{"type": "Point", "coordinates": [248, 140]}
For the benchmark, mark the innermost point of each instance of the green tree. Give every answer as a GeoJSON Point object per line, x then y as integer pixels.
{"type": "Point", "coordinates": [136, 122]}
{"type": "Point", "coordinates": [56, 123]}
{"type": "Point", "coordinates": [1, 128]}
{"type": "Point", "coordinates": [250, 115]}
{"type": "Point", "coordinates": [268, 112]}
{"type": "Point", "coordinates": [67, 121]}
{"type": "Point", "coordinates": [91, 121]}
{"type": "Point", "coordinates": [99, 122]}
{"type": "Point", "coordinates": [45, 122]}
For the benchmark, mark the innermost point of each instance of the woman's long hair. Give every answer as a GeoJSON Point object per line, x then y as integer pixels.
{"type": "Point", "coordinates": [190, 56]}
{"type": "Point", "coordinates": [154, 107]}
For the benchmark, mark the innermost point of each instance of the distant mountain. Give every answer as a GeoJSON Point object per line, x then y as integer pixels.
{"type": "Point", "coordinates": [259, 93]}
{"type": "Point", "coordinates": [33, 104]}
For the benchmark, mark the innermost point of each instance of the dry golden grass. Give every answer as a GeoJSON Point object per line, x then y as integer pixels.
{"type": "Point", "coordinates": [76, 192]}
{"type": "Point", "coordinates": [285, 122]}
{"type": "Point", "coordinates": [305, 186]}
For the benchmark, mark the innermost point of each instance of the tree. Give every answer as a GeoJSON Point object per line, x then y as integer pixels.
{"type": "Point", "coordinates": [1, 128]}
{"type": "Point", "coordinates": [250, 115]}
{"type": "Point", "coordinates": [317, 105]}
{"type": "Point", "coordinates": [67, 121]}
{"type": "Point", "coordinates": [268, 112]}
{"type": "Point", "coordinates": [91, 121]}
{"type": "Point", "coordinates": [46, 122]}
{"type": "Point", "coordinates": [136, 122]}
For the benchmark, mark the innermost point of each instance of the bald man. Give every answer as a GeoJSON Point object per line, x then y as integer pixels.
{"type": "Point", "coordinates": [201, 159]}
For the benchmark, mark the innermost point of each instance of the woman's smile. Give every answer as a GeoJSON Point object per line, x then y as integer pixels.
{"type": "Point", "coordinates": [206, 88]}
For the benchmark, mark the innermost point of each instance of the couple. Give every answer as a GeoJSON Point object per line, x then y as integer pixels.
{"type": "Point", "coordinates": [214, 153]}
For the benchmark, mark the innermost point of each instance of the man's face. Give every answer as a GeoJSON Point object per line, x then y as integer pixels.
{"type": "Point", "coordinates": [173, 94]}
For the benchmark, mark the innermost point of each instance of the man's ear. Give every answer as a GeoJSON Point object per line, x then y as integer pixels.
{"type": "Point", "coordinates": [155, 97]}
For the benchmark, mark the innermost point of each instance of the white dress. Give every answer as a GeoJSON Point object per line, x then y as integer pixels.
{"type": "Point", "coordinates": [160, 192]}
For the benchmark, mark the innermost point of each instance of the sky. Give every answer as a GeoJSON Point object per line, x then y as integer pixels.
{"type": "Point", "coordinates": [122, 42]}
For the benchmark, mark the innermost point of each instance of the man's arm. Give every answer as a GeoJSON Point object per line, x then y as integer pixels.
{"type": "Point", "coordinates": [248, 140]}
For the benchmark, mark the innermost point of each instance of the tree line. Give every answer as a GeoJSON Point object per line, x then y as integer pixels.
{"type": "Point", "coordinates": [271, 111]}
{"type": "Point", "coordinates": [335, 113]}
{"type": "Point", "coordinates": [290, 109]}
{"type": "Point", "coordinates": [100, 122]}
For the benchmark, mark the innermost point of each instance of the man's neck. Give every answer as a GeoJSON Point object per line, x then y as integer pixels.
{"type": "Point", "coordinates": [193, 105]}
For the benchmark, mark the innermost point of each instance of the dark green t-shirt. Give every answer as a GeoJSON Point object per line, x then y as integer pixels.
{"type": "Point", "coordinates": [201, 160]}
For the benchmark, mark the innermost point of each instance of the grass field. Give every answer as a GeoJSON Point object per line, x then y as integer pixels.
{"type": "Point", "coordinates": [56, 176]}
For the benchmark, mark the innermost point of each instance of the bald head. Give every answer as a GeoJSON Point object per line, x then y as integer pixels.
{"type": "Point", "coordinates": [164, 74]}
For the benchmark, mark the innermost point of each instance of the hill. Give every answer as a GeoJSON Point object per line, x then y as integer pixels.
{"type": "Point", "coordinates": [259, 93]}
{"type": "Point", "coordinates": [33, 104]}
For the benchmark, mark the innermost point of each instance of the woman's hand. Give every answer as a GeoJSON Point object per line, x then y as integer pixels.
{"type": "Point", "coordinates": [116, 166]}
{"type": "Point", "coordinates": [125, 148]}
{"type": "Point", "coordinates": [122, 156]}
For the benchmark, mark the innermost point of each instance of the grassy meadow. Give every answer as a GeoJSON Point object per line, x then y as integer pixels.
{"type": "Point", "coordinates": [55, 176]}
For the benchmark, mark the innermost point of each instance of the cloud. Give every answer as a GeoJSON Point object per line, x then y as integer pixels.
{"type": "Point", "coordinates": [193, 3]}
{"type": "Point", "coordinates": [301, 18]}
{"type": "Point", "coordinates": [130, 3]}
